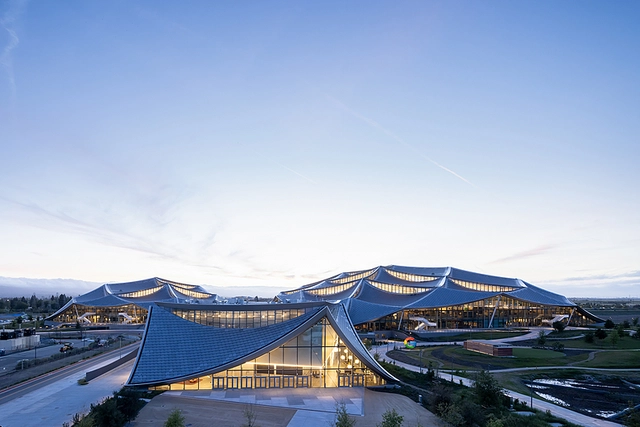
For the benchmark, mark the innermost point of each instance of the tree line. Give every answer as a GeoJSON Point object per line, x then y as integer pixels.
{"type": "Point", "coordinates": [36, 305]}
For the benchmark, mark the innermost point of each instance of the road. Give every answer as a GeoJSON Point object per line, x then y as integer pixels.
{"type": "Point", "coordinates": [53, 399]}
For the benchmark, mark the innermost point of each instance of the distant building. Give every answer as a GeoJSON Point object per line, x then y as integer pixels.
{"type": "Point", "coordinates": [126, 303]}
{"type": "Point", "coordinates": [417, 298]}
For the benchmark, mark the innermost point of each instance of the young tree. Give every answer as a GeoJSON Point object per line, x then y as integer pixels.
{"type": "Point", "coordinates": [614, 337]}
{"type": "Point", "coordinates": [176, 419]}
{"type": "Point", "coordinates": [391, 418]}
{"type": "Point", "coordinates": [601, 333]}
{"type": "Point", "coordinates": [342, 418]}
{"type": "Point", "coordinates": [542, 338]}
{"type": "Point", "coordinates": [250, 416]}
{"type": "Point", "coordinates": [487, 390]}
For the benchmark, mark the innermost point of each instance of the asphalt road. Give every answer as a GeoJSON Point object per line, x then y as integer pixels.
{"type": "Point", "coordinates": [80, 367]}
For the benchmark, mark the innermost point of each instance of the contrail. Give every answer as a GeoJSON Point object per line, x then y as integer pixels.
{"type": "Point", "coordinates": [378, 126]}
{"type": "Point", "coordinates": [8, 18]}
{"type": "Point", "coordinates": [283, 166]}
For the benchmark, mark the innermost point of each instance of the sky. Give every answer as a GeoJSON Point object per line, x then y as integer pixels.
{"type": "Point", "coordinates": [259, 146]}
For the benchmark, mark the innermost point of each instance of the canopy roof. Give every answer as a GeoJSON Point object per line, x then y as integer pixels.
{"type": "Point", "coordinates": [377, 292]}
{"type": "Point", "coordinates": [142, 293]}
{"type": "Point", "coordinates": [167, 353]}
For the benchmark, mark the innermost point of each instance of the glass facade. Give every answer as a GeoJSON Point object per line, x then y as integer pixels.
{"type": "Point", "coordinates": [315, 358]}
{"type": "Point", "coordinates": [238, 319]}
{"type": "Point", "coordinates": [496, 312]}
{"type": "Point", "coordinates": [398, 289]}
{"type": "Point", "coordinates": [129, 313]}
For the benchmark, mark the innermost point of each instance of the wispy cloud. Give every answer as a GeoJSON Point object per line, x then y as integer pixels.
{"type": "Point", "coordinates": [395, 137]}
{"type": "Point", "coordinates": [525, 254]}
{"type": "Point", "coordinates": [7, 21]}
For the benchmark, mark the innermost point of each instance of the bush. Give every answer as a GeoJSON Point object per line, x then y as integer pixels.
{"type": "Point", "coordinates": [557, 346]}
{"type": "Point", "coordinates": [391, 419]}
{"type": "Point", "coordinates": [559, 326]}
{"type": "Point", "coordinates": [542, 338]}
{"type": "Point", "coordinates": [609, 324]}
{"type": "Point", "coordinates": [176, 419]}
{"type": "Point", "coordinates": [342, 418]}
{"type": "Point", "coordinates": [589, 337]}
{"type": "Point", "coordinates": [601, 333]}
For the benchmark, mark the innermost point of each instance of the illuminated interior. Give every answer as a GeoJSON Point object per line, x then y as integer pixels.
{"type": "Point", "coordinates": [315, 358]}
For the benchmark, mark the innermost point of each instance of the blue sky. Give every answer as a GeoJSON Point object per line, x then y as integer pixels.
{"type": "Point", "coordinates": [265, 145]}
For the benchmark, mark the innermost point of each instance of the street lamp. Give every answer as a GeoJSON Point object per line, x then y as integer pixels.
{"type": "Point", "coordinates": [421, 359]}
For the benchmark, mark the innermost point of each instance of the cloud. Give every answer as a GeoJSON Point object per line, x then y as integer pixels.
{"type": "Point", "coordinates": [525, 254]}
{"type": "Point", "coordinates": [395, 137]}
{"type": "Point", "coordinates": [7, 21]}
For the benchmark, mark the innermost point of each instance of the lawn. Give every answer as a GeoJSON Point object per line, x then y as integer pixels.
{"type": "Point", "coordinates": [489, 335]}
{"type": "Point", "coordinates": [624, 343]}
{"type": "Point", "coordinates": [614, 359]}
{"type": "Point", "coordinates": [455, 357]}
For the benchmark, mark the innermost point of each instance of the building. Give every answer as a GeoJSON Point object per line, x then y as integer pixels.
{"type": "Point", "coordinates": [415, 298]}
{"type": "Point", "coordinates": [307, 337]}
{"type": "Point", "coordinates": [210, 347]}
{"type": "Point", "coordinates": [126, 303]}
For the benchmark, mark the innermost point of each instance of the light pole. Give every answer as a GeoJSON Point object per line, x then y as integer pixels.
{"type": "Point", "coordinates": [531, 392]}
{"type": "Point", "coordinates": [421, 359]}
{"type": "Point", "coordinates": [120, 347]}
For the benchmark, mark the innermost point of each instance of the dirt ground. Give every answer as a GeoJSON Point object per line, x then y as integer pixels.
{"type": "Point", "coordinates": [206, 412]}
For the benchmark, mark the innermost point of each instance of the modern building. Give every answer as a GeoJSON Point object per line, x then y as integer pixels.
{"type": "Point", "coordinates": [416, 298]}
{"type": "Point", "coordinates": [126, 302]}
{"type": "Point", "coordinates": [210, 347]}
{"type": "Point", "coordinates": [306, 337]}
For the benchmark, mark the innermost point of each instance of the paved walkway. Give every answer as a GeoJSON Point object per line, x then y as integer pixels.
{"type": "Point", "coordinates": [283, 407]}
{"type": "Point", "coordinates": [315, 407]}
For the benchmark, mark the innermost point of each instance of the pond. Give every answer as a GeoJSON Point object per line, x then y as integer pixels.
{"type": "Point", "coordinates": [600, 396]}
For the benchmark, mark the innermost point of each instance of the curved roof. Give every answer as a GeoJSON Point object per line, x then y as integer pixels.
{"type": "Point", "coordinates": [141, 293]}
{"type": "Point", "coordinates": [169, 338]}
{"type": "Point", "coordinates": [383, 290]}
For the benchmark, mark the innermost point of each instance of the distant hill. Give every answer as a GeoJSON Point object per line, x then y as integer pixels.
{"type": "Point", "coordinates": [21, 286]}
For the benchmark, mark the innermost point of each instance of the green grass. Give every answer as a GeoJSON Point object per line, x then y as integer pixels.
{"type": "Point", "coordinates": [536, 353]}
{"type": "Point", "coordinates": [614, 359]}
{"type": "Point", "coordinates": [474, 336]}
{"type": "Point", "coordinates": [565, 334]}
{"type": "Point", "coordinates": [624, 343]}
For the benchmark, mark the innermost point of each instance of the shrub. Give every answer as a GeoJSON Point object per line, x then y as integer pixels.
{"type": "Point", "coordinates": [557, 346]}
{"type": "Point", "coordinates": [342, 418]}
{"type": "Point", "coordinates": [601, 333]}
{"type": "Point", "coordinates": [589, 337]}
{"type": "Point", "coordinates": [391, 419]}
{"type": "Point", "coordinates": [559, 326]}
{"type": "Point", "coordinates": [542, 338]}
{"type": "Point", "coordinates": [176, 419]}
{"type": "Point", "coordinates": [609, 324]}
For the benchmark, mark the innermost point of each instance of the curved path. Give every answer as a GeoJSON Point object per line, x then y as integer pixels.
{"type": "Point", "coordinates": [567, 414]}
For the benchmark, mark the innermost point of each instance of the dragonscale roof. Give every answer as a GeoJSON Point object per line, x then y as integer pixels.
{"type": "Point", "coordinates": [377, 292]}
{"type": "Point", "coordinates": [141, 293]}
